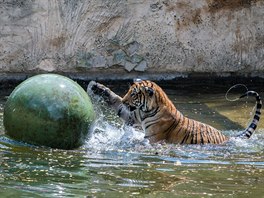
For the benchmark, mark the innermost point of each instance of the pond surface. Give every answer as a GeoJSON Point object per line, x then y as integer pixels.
{"type": "Point", "coordinates": [116, 161]}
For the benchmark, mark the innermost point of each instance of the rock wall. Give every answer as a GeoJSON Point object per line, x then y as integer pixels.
{"type": "Point", "coordinates": [182, 36]}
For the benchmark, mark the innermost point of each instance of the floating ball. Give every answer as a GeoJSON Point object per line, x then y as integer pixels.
{"type": "Point", "coordinates": [49, 110]}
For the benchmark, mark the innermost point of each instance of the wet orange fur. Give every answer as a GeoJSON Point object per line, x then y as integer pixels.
{"type": "Point", "coordinates": [168, 123]}
{"type": "Point", "coordinates": [147, 105]}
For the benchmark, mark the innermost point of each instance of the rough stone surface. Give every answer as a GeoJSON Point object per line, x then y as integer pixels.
{"type": "Point", "coordinates": [156, 36]}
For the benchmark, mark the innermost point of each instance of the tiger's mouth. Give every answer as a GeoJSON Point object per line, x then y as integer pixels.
{"type": "Point", "coordinates": [132, 108]}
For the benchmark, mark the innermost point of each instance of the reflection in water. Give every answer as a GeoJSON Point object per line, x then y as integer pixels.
{"type": "Point", "coordinates": [56, 172]}
{"type": "Point", "coordinates": [117, 161]}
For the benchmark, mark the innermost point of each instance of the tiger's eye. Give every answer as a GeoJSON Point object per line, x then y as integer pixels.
{"type": "Point", "coordinates": [134, 92]}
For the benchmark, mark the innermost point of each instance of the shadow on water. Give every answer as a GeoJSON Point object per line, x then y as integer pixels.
{"type": "Point", "coordinates": [116, 161]}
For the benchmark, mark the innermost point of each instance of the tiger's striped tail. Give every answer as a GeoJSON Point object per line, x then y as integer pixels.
{"type": "Point", "coordinates": [253, 125]}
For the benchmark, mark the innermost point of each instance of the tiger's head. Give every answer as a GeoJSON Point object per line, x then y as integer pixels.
{"type": "Point", "coordinates": [141, 95]}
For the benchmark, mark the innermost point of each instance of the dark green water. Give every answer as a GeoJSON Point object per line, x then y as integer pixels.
{"type": "Point", "coordinates": [116, 161]}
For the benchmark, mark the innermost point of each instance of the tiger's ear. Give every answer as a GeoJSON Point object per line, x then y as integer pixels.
{"type": "Point", "coordinates": [150, 91]}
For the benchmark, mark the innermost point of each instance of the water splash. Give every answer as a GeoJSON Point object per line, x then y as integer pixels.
{"type": "Point", "coordinates": [109, 136]}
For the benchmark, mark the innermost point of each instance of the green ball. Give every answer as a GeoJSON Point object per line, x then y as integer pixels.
{"type": "Point", "coordinates": [49, 110]}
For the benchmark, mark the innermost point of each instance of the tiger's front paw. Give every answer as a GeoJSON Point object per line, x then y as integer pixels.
{"type": "Point", "coordinates": [98, 89]}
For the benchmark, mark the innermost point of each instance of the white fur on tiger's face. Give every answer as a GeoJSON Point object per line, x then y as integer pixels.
{"type": "Point", "coordinates": [140, 96]}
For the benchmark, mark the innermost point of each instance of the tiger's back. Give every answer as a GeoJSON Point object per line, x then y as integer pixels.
{"type": "Point", "coordinates": [195, 132]}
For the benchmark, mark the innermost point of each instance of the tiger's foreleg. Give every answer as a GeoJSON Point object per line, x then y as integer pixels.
{"type": "Point", "coordinates": [112, 99]}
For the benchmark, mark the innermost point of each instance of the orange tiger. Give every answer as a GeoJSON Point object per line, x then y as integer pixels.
{"type": "Point", "coordinates": [146, 105]}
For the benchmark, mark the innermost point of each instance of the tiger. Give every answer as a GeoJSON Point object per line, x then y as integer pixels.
{"type": "Point", "coordinates": [146, 105]}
